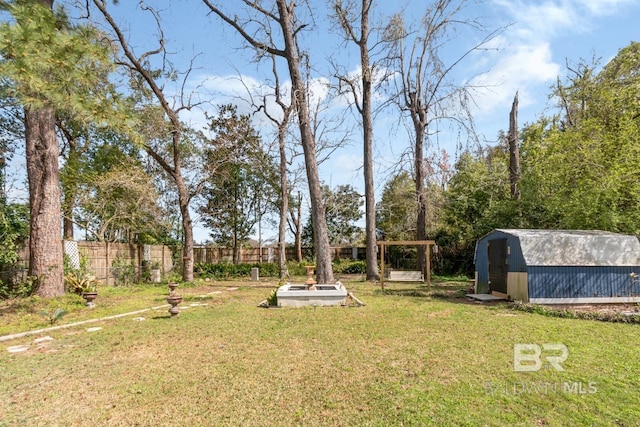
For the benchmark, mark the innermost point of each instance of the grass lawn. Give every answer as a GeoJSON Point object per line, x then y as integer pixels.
{"type": "Point", "coordinates": [403, 359]}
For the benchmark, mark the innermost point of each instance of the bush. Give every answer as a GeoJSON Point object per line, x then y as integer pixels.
{"type": "Point", "coordinates": [228, 270]}
{"type": "Point", "coordinates": [272, 299]}
{"type": "Point", "coordinates": [350, 267]}
{"type": "Point", "coordinates": [298, 268]}
{"type": "Point", "coordinates": [20, 289]}
{"type": "Point", "coordinates": [78, 280]}
{"type": "Point", "coordinates": [123, 271]}
{"type": "Point", "coordinates": [268, 269]}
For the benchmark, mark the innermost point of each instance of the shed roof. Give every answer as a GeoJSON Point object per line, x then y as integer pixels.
{"type": "Point", "coordinates": [577, 247]}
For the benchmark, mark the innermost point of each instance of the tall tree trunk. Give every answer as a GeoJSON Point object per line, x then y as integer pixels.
{"type": "Point", "coordinates": [298, 227]}
{"type": "Point", "coordinates": [284, 203]}
{"type": "Point", "coordinates": [370, 206]}
{"type": "Point", "coordinates": [349, 23]}
{"type": "Point", "coordinates": [324, 269]}
{"type": "Point", "coordinates": [419, 117]}
{"type": "Point", "coordinates": [45, 243]}
{"type": "Point", "coordinates": [285, 19]}
{"type": "Point", "coordinates": [187, 227]}
{"type": "Point", "coordinates": [367, 133]}
{"type": "Point", "coordinates": [514, 150]}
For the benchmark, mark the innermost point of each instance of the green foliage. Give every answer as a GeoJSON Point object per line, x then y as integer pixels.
{"type": "Point", "coordinates": [350, 267]}
{"type": "Point", "coordinates": [272, 299]}
{"type": "Point", "coordinates": [105, 187]}
{"type": "Point", "coordinates": [123, 271]}
{"type": "Point", "coordinates": [298, 268]}
{"type": "Point", "coordinates": [342, 211]}
{"type": "Point", "coordinates": [53, 316]}
{"type": "Point", "coordinates": [396, 211]}
{"type": "Point", "coordinates": [48, 61]}
{"type": "Point", "coordinates": [579, 168]}
{"type": "Point", "coordinates": [14, 231]}
{"type": "Point", "coordinates": [79, 280]}
{"type": "Point", "coordinates": [242, 181]}
{"type": "Point", "coordinates": [228, 270]}
{"type": "Point", "coordinates": [19, 289]}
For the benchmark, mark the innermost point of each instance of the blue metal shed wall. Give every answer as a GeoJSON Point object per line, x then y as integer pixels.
{"type": "Point", "coordinates": [515, 260]}
{"type": "Point", "coordinates": [582, 282]}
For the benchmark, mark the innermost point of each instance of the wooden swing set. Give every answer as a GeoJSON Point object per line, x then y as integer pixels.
{"type": "Point", "coordinates": [407, 276]}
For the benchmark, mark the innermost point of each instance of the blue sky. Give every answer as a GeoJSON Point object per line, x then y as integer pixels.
{"type": "Point", "coordinates": [528, 57]}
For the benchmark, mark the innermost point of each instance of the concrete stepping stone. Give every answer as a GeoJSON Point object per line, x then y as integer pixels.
{"type": "Point", "coordinates": [18, 348]}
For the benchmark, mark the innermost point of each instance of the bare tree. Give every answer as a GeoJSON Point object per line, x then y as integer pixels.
{"type": "Point", "coordinates": [425, 91]}
{"type": "Point", "coordinates": [295, 225]}
{"type": "Point", "coordinates": [170, 160]}
{"type": "Point", "coordinates": [282, 125]}
{"type": "Point", "coordinates": [118, 203]}
{"type": "Point", "coordinates": [281, 117]}
{"type": "Point", "coordinates": [282, 15]}
{"type": "Point", "coordinates": [514, 150]}
{"type": "Point", "coordinates": [354, 23]}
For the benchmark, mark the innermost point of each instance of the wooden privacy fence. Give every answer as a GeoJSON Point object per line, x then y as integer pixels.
{"type": "Point", "coordinates": [217, 255]}
{"type": "Point", "coordinates": [105, 260]}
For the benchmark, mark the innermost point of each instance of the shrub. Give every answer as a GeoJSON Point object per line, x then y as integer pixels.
{"type": "Point", "coordinates": [268, 269]}
{"type": "Point", "coordinates": [228, 270]}
{"type": "Point", "coordinates": [272, 299]}
{"type": "Point", "coordinates": [123, 271]}
{"type": "Point", "coordinates": [350, 267]}
{"type": "Point", "coordinates": [297, 268]}
{"type": "Point", "coordinates": [78, 280]}
{"type": "Point", "coordinates": [20, 289]}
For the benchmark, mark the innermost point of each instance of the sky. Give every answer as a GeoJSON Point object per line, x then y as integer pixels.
{"type": "Point", "coordinates": [538, 38]}
{"type": "Point", "coordinates": [537, 41]}
{"type": "Point", "coordinates": [531, 53]}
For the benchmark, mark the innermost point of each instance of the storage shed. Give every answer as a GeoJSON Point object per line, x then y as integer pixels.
{"type": "Point", "coordinates": [559, 266]}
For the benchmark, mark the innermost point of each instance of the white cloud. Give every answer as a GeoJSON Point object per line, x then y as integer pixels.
{"type": "Point", "coordinates": [527, 53]}
{"type": "Point", "coordinates": [542, 20]}
{"type": "Point", "coordinates": [318, 90]}
{"type": "Point", "coordinates": [518, 68]}
{"type": "Point", "coordinates": [539, 20]}
{"type": "Point", "coordinates": [604, 7]}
